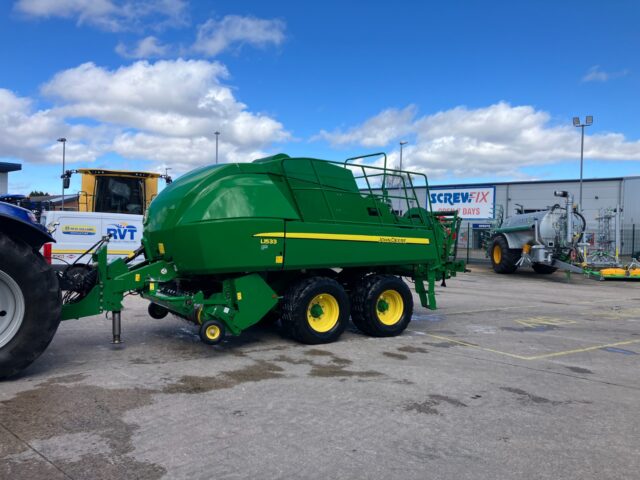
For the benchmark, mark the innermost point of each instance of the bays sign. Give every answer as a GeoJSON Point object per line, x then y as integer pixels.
{"type": "Point", "coordinates": [470, 202]}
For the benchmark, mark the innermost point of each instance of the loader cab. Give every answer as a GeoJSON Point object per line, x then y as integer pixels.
{"type": "Point", "coordinates": [116, 191]}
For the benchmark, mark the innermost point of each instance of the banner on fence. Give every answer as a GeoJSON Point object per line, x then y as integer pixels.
{"type": "Point", "coordinates": [470, 202]}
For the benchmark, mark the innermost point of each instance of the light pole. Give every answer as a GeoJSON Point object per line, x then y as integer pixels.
{"type": "Point", "coordinates": [64, 143]}
{"type": "Point", "coordinates": [577, 123]}
{"type": "Point", "coordinates": [402, 144]}
{"type": "Point", "coordinates": [217, 134]}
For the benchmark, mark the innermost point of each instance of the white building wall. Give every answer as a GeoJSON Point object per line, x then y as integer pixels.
{"type": "Point", "coordinates": [631, 200]}
{"type": "Point", "coordinates": [596, 195]}
{"type": "Point", "coordinates": [4, 183]}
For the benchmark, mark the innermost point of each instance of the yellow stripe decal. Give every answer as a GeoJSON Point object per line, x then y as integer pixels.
{"type": "Point", "coordinates": [345, 237]}
{"type": "Point", "coordinates": [109, 252]}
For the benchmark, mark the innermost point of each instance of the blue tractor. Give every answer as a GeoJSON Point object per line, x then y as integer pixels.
{"type": "Point", "coordinates": [30, 299]}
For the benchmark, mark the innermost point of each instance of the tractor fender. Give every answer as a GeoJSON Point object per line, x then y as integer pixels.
{"type": "Point", "coordinates": [21, 224]}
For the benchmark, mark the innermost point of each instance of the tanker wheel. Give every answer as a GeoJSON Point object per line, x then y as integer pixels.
{"type": "Point", "coordinates": [157, 311]}
{"type": "Point", "coordinates": [503, 258]}
{"type": "Point", "coordinates": [30, 305]}
{"type": "Point", "coordinates": [382, 306]}
{"type": "Point", "coordinates": [212, 332]}
{"type": "Point", "coordinates": [543, 269]}
{"type": "Point", "coordinates": [315, 310]}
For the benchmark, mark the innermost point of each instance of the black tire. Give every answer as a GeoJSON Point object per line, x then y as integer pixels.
{"type": "Point", "coordinates": [503, 258]}
{"type": "Point", "coordinates": [40, 291]}
{"type": "Point", "coordinates": [157, 311]}
{"type": "Point", "coordinates": [543, 269]}
{"type": "Point", "coordinates": [302, 319]}
{"type": "Point", "coordinates": [212, 332]}
{"type": "Point", "coordinates": [367, 304]}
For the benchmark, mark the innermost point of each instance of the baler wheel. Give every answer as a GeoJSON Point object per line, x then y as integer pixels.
{"type": "Point", "coordinates": [212, 332]}
{"type": "Point", "coordinates": [30, 304]}
{"type": "Point", "coordinates": [382, 306]}
{"type": "Point", "coordinates": [157, 311]}
{"type": "Point", "coordinates": [315, 310]}
{"type": "Point", "coordinates": [503, 258]}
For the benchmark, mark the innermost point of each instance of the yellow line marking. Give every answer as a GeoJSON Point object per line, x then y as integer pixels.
{"type": "Point", "coordinates": [346, 237]}
{"type": "Point", "coordinates": [518, 307]}
{"type": "Point", "coordinates": [466, 344]}
{"type": "Point", "coordinates": [536, 357]}
{"type": "Point", "coordinates": [542, 321]}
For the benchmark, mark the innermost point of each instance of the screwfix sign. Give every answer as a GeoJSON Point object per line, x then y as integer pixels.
{"type": "Point", "coordinates": [469, 202]}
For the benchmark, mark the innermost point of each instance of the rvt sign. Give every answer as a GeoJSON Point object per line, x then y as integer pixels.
{"type": "Point", "coordinates": [122, 231]}
{"type": "Point", "coordinates": [469, 202]}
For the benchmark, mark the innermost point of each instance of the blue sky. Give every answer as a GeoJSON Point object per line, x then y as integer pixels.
{"type": "Point", "coordinates": [482, 91]}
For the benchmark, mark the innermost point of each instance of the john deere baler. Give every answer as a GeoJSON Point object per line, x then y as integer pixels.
{"type": "Point", "coordinates": [309, 242]}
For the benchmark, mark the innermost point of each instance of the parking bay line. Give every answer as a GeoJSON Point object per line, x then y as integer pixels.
{"type": "Point", "coordinates": [519, 307]}
{"type": "Point", "coordinates": [534, 357]}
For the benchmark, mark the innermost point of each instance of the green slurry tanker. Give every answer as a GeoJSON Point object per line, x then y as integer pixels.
{"type": "Point", "coordinates": [309, 242]}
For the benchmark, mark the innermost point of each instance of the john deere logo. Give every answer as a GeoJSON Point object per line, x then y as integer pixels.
{"type": "Point", "coordinates": [122, 231]}
{"type": "Point", "coordinates": [78, 230]}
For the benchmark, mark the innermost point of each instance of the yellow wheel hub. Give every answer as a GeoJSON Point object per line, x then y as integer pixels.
{"type": "Point", "coordinates": [497, 254]}
{"type": "Point", "coordinates": [323, 312]}
{"type": "Point", "coordinates": [212, 332]}
{"type": "Point", "coordinates": [390, 307]}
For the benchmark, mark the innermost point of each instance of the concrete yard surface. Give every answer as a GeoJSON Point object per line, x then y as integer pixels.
{"type": "Point", "coordinates": [518, 376]}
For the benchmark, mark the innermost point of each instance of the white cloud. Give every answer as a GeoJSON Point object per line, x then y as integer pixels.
{"type": "Point", "coordinates": [377, 131]}
{"type": "Point", "coordinates": [214, 36]}
{"type": "Point", "coordinates": [596, 74]}
{"type": "Point", "coordinates": [29, 134]}
{"type": "Point", "coordinates": [110, 15]}
{"type": "Point", "coordinates": [148, 47]}
{"type": "Point", "coordinates": [495, 141]}
{"type": "Point", "coordinates": [164, 112]}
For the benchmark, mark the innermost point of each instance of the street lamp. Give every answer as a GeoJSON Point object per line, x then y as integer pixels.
{"type": "Point", "coordinates": [577, 123]}
{"type": "Point", "coordinates": [217, 134]}
{"type": "Point", "coordinates": [402, 144]}
{"type": "Point", "coordinates": [64, 143]}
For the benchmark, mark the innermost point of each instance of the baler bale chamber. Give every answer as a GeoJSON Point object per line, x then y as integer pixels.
{"type": "Point", "coordinates": [308, 241]}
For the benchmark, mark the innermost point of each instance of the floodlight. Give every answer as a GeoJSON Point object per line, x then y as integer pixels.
{"type": "Point", "coordinates": [576, 122]}
{"type": "Point", "coordinates": [589, 119]}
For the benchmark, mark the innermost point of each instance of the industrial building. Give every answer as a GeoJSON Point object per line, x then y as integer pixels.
{"type": "Point", "coordinates": [479, 204]}
{"type": "Point", "coordinates": [5, 168]}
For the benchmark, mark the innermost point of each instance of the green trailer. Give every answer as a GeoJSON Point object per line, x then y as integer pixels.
{"type": "Point", "coordinates": [306, 241]}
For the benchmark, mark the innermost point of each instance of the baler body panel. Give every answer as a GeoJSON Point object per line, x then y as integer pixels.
{"type": "Point", "coordinates": [324, 244]}
{"type": "Point", "coordinates": [279, 213]}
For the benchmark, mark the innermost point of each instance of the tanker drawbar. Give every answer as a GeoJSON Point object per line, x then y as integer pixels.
{"type": "Point", "coordinates": [307, 242]}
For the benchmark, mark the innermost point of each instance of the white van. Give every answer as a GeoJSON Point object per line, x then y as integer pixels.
{"type": "Point", "coordinates": [78, 231]}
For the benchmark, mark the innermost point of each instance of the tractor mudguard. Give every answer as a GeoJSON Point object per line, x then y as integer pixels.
{"type": "Point", "coordinates": [21, 224]}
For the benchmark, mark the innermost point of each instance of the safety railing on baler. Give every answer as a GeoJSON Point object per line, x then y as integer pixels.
{"type": "Point", "coordinates": [409, 196]}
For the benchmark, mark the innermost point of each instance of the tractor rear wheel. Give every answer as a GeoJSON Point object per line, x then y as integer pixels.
{"type": "Point", "coordinates": [30, 304]}
{"type": "Point", "coordinates": [382, 306]}
{"type": "Point", "coordinates": [543, 269]}
{"type": "Point", "coordinates": [315, 310]}
{"type": "Point", "coordinates": [503, 258]}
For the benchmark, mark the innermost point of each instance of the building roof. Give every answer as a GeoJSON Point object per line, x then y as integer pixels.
{"type": "Point", "coordinates": [533, 182]}
{"type": "Point", "coordinates": [9, 167]}
{"type": "Point", "coordinates": [55, 199]}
